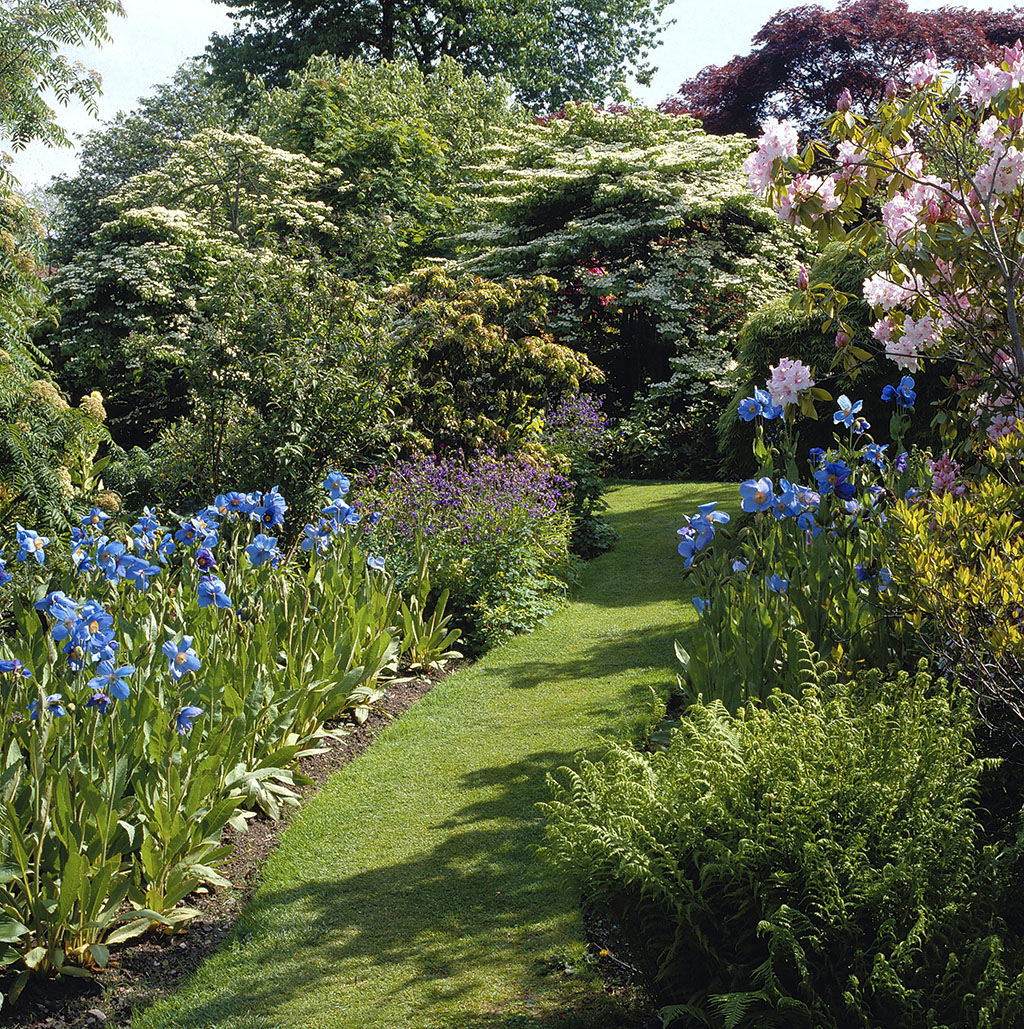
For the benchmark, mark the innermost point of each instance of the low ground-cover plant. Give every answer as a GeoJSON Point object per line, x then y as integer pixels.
{"type": "Point", "coordinates": [811, 862]}
{"type": "Point", "coordinates": [163, 687]}
{"type": "Point", "coordinates": [496, 530]}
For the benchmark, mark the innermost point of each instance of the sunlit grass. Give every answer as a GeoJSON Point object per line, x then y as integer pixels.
{"type": "Point", "coordinates": [409, 893]}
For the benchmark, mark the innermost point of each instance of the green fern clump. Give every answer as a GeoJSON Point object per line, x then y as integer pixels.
{"type": "Point", "coordinates": [816, 862]}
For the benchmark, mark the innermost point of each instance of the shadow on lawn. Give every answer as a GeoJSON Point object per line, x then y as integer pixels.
{"type": "Point", "coordinates": [438, 924]}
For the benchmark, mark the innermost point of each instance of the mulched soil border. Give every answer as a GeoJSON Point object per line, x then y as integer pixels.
{"type": "Point", "coordinates": [143, 971]}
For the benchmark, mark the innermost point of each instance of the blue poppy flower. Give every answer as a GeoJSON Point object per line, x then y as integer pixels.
{"type": "Point", "coordinates": [95, 519]}
{"type": "Point", "coordinates": [903, 394]}
{"type": "Point", "coordinates": [750, 409]}
{"type": "Point", "coordinates": [5, 576]}
{"type": "Point", "coordinates": [31, 544]}
{"type": "Point", "coordinates": [14, 668]}
{"type": "Point", "coordinates": [318, 536]}
{"type": "Point", "coordinates": [93, 622]}
{"type": "Point", "coordinates": [769, 409]}
{"type": "Point", "coordinates": [816, 455]}
{"type": "Point", "coordinates": [181, 657]}
{"type": "Point", "coordinates": [213, 591]}
{"type": "Point", "coordinates": [700, 604]}
{"type": "Point", "coordinates": [81, 556]}
{"type": "Point", "coordinates": [165, 548]}
{"type": "Point", "coordinates": [336, 484]}
{"type": "Point", "coordinates": [263, 549]}
{"type": "Point", "coordinates": [137, 570]}
{"type": "Point", "coordinates": [376, 563]}
{"type": "Point", "coordinates": [100, 701]}
{"type": "Point", "coordinates": [205, 559]}
{"type": "Point", "coordinates": [756, 494]}
{"type": "Point", "coordinates": [238, 503]}
{"type": "Point", "coordinates": [874, 453]}
{"type": "Point", "coordinates": [107, 554]}
{"type": "Point", "coordinates": [808, 523]}
{"type": "Point", "coordinates": [271, 509]}
{"type": "Point", "coordinates": [833, 475]}
{"type": "Point", "coordinates": [777, 584]}
{"type": "Point", "coordinates": [848, 411]}
{"type": "Point", "coordinates": [114, 679]}
{"type": "Point", "coordinates": [52, 705]}
{"type": "Point", "coordinates": [787, 502]}
{"type": "Point", "coordinates": [183, 721]}
{"type": "Point", "coordinates": [739, 565]}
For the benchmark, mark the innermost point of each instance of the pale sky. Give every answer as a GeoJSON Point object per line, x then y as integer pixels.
{"type": "Point", "coordinates": [155, 36]}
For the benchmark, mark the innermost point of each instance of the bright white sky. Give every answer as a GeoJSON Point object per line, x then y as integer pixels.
{"type": "Point", "coordinates": [157, 35]}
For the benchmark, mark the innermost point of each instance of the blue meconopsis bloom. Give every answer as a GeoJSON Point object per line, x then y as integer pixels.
{"type": "Point", "coordinates": [14, 669]}
{"type": "Point", "coordinates": [833, 478]}
{"type": "Point", "coordinates": [183, 720]}
{"type": "Point", "coordinates": [271, 509]}
{"type": "Point", "coordinates": [263, 549]}
{"type": "Point", "coordinates": [114, 679]}
{"type": "Point", "coordinates": [94, 520]}
{"type": "Point", "coordinates": [787, 501]}
{"type": "Point", "coordinates": [51, 705]}
{"type": "Point", "coordinates": [756, 494]}
{"type": "Point", "coordinates": [318, 536]}
{"type": "Point", "coordinates": [760, 405]}
{"type": "Point", "coordinates": [31, 544]}
{"type": "Point", "coordinates": [903, 394]}
{"type": "Point", "coordinates": [874, 453]}
{"type": "Point", "coordinates": [181, 658]}
{"type": "Point", "coordinates": [848, 411]}
{"type": "Point", "coordinates": [700, 604]}
{"type": "Point", "coordinates": [375, 562]}
{"type": "Point", "coordinates": [213, 591]}
{"type": "Point", "coordinates": [777, 584]}
{"type": "Point", "coordinates": [336, 484]}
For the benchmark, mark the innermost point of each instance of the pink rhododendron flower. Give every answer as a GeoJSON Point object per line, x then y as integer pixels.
{"type": "Point", "coordinates": [788, 380]}
{"type": "Point", "coordinates": [882, 330]}
{"type": "Point", "coordinates": [925, 72]}
{"type": "Point", "coordinates": [1001, 174]}
{"type": "Point", "coordinates": [777, 140]}
{"type": "Point", "coordinates": [881, 291]}
{"type": "Point", "coordinates": [803, 189]}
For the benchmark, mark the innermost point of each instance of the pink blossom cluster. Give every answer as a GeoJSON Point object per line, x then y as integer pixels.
{"type": "Point", "coordinates": [1003, 173]}
{"type": "Point", "coordinates": [788, 380]}
{"type": "Point", "coordinates": [852, 160]}
{"type": "Point", "coordinates": [777, 140]}
{"type": "Point", "coordinates": [946, 476]}
{"type": "Point", "coordinates": [917, 336]}
{"type": "Point", "coordinates": [907, 159]}
{"type": "Point", "coordinates": [880, 290]}
{"type": "Point", "coordinates": [925, 72]}
{"type": "Point", "coordinates": [802, 189]}
{"type": "Point", "coordinates": [1005, 419]}
{"type": "Point", "coordinates": [990, 80]}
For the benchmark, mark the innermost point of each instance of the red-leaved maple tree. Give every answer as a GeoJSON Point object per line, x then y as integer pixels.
{"type": "Point", "coordinates": [804, 57]}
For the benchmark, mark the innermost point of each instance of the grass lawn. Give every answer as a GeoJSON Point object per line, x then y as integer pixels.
{"type": "Point", "coordinates": [408, 892]}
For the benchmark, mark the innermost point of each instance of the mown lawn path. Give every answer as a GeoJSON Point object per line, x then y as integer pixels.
{"type": "Point", "coordinates": [408, 892]}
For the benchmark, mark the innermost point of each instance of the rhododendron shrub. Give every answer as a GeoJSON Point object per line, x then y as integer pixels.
{"type": "Point", "coordinates": [936, 176]}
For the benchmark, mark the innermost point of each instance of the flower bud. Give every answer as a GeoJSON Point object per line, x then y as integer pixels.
{"type": "Point", "coordinates": [890, 89]}
{"type": "Point", "coordinates": [845, 101]}
{"type": "Point", "coordinates": [841, 340]}
{"type": "Point", "coordinates": [803, 280]}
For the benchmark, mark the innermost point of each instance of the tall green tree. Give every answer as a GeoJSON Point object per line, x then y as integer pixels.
{"type": "Point", "coordinates": [401, 146]}
{"type": "Point", "coordinates": [659, 249]}
{"type": "Point", "coordinates": [32, 33]}
{"type": "Point", "coordinates": [129, 144]}
{"type": "Point", "coordinates": [551, 52]}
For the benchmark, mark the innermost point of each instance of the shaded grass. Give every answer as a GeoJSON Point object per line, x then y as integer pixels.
{"type": "Point", "coordinates": [409, 892]}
